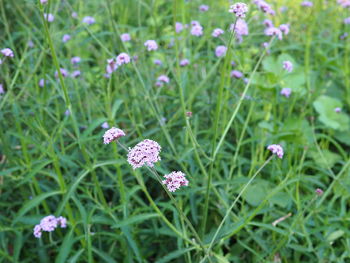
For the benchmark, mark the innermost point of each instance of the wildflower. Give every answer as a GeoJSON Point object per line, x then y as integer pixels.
{"type": "Point", "coordinates": [284, 28]}
{"type": "Point", "coordinates": [288, 66]}
{"type": "Point", "coordinates": [240, 28]}
{"type": "Point", "coordinates": [75, 73]}
{"type": "Point", "coordinates": [122, 58]}
{"type": "Point", "coordinates": [220, 51]}
{"type": "Point", "coordinates": [74, 14]}
{"type": "Point", "coordinates": [239, 9]}
{"type": "Point", "coordinates": [197, 30]}
{"type": "Point", "coordinates": [276, 149]}
{"type": "Point", "coordinates": [49, 224]}
{"type": "Point", "coordinates": [184, 62]}
{"type": "Point", "coordinates": [307, 3]}
{"type": "Point", "coordinates": [0, 61]}
{"type": "Point", "coordinates": [319, 191]}
{"type": "Point", "coordinates": [63, 71]}
{"type": "Point", "coordinates": [7, 52]}
{"type": "Point", "coordinates": [163, 79]}
{"type": "Point", "coordinates": [195, 23]}
{"type": "Point", "coordinates": [112, 134]}
{"type": "Point", "coordinates": [62, 221]}
{"type": "Point", "coordinates": [337, 109]}
{"type": "Point", "coordinates": [286, 92]}
{"type": "Point", "coordinates": [105, 125]}
{"type": "Point", "coordinates": [41, 83]}
{"type": "Point", "coordinates": [43, 1]}
{"type": "Point", "coordinates": [30, 44]}
{"type": "Point", "coordinates": [347, 21]}
{"type": "Point", "coordinates": [67, 112]}
{"type": "Point", "coordinates": [125, 37]}
{"type": "Point", "coordinates": [268, 23]}
{"type": "Point", "coordinates": [144, 153]}
{"type": "Point", "coordinates": [189, 114]}
{"type": "Point", "coordinates": [37, 231]}
{"type": "Point", "coordinates": [151, 45]}
{"type": "Point", "coordinates": [175, 180]}
{"type": "Point", "coordinates": [157, 62]}
{"type": "Point", "coordinates": [66, 38]}
{"type": "Point", "coordinates": [236, 74]}
{"type": "Point", "coordinates": [75, 60]}
{"type": "Point", "coordinates": [344, 3]}
{"type": "Point", "coordinates": [89, 20]}
{"type": "Point", "coordinates": [2, 91]}
{"type": "Point", "coordinates": [178, 27]}
{"type": "Point", "coordinates": [264, 7]}
{"type": "Point", "coordinates": [233, 63]}
{"type": "Point", "coordinates": [274, 31]}
{"type": "Point", "coordinates": [343, 36]}
{"type": "Point", "coordinates": [111, 66]}
{"type": "Point", "coordinates": [203, 8]}
{"type": "Point", "coordinates": [49, 17]}
{"type": "Point", "coordinates": [217, 32]}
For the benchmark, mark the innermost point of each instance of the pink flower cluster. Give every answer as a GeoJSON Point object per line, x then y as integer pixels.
{"type": "Point", "coordinates": [184, 62]}
{"type": "Point", "coordinates": [49, 17]}
{"type": "Point", "coordinates": [286, 92]}
{"type": "Point", "coordinates": [49, 224]}
{"type": "Point", "coordinates": [7, 52]}
{"type": "Point", "coordinates": [175, 180]}
{"type": "Point", "coordinates": [217, 32]}
{"type": "Point", "coordinates": [112, 134]}
{"type": "Point", "coordinates": [203, 8]}
{"type": "Point", "coordinates": [220, 51]}
{"type": "Point", "coordinates": [344, 3]}
{"type": "Point", "coordinates": [274, 31]}
{"type": "Point", "coordinates": [144, 153]}
{"type": "Point", "coordinates": [288, 66]}
{"type": "Point", "coordinates": [276, 149]}
{"type": "Point", "coordinates": [236, 74]}
{"type": "Point", "coordinates": [241, 29]}
{"type": "Point", "coordinates": [88, 20]}
{"type": "Point", "coordinates": [307, 3]}
{"type": "Point", "coordinates": [113, 64]}
{"type": "Point", "coordinates": [151, 45]}
{"type": "Point", "coordinates": [263, 6]}
{"type": "Point", "coordinates": [197, 29]}
{"type": "Point", "coordinates": [239, 9]}
{"type": "Point", "coordinates": [125, 37]}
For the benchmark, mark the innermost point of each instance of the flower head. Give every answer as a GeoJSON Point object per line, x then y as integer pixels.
{"type": "Point", "coordinates": [347, 20]}
{"type": "Point", "coordinates": [125, 37]}
{"type": "Point", "coordinates": [274, 31]}
{"type": "Point", "coordinates": [284, 28]}
{"type": "Point", "coordinates": [203, 8]}
{"type": "Point", "coordinates": [265, 7]}
{"type": "Point", "coordinates": [337, 109]}
{"type": "Point", "coordinates": [288, 66]}
{"type": "Point", "coordinates": [122, 58]}
{"type": "Point", "coordinates": [112, 134]}
{"type": "Point", "coordinates": [236, 74]}
{"type": "Point", "coordinates": [268, 23]}
{"type": "Point", "coordinates": [7, 52]}
{"type": "Point", "coordinates": [286, 92]}
{"type": "Point", "coordinates": [151, 45]}
{"type": "Point", "coordinates": [105, 125]}
{"type": "Point", "coordinates": [63, 71]}
{"type": "Point", "coordinates": [89, 20]}
{"type": "Point", "coordinates": [276, 149]}
{"type": "Point", "coordinates": [66, 38]}
{"type": "Point", "coordinates": [319, 191]}
{"type": "Point", "coordinates": [178, 27]}
{"type": "Point", "coordinates": [175, 180]}
{"type": "Point", "coordinates": [163, 79]}
{"type": "Point", "coordinates": [49, 17]}
{"type": "Point", "coordinates": [75, 60]}
{"type": "Point", "coordinates": [144, 153]}
{"type": "Point", "coordinates": [157, 62]}
{"type": "Point", "coordinates": [240, 28]}
{"type": "Point", "coordinates": [75, 74]}
{"type": "Point", "coordinates": [43, 1]}
{"type": "Point", "coordinates": [307, 3]}
{"type": "Point", "coordinates": [49, 224]}
{"type": "Point", "coordinates": [217, 32]}
{"type": "Point", "coordinates": [74, 14]}
{"type": "Point", "coordinates": [239, 9]}
{"type": "Point", "coordinates": [37, 231]}
{"type": "Point", "coordinates": [111, 66]}
{"type": "Point", "coordinates": [184, 62]}
{"type": "Point", "coordinates": [220, 51]}
{"type": "Point", "coordinates": [2, 91]}
{"type": "Point", "coordinates": [197, 30]}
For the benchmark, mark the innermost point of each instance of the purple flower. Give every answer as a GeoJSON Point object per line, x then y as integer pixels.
{"type": "Point", "coordinates": [241, 29]}
{"type": "Point", "coordinates": [236, 74]}
{"type": "Point", "coordinates": [203, 8]}
{"type": "Point", "coordinates": [43, 1]}
{"type": "Point", "coordinates": [197, 30]}
{"type": "Point", "coordinates": [239, 9]}
{"type": "Point", "coordinates": [66, 38]}
{"type": "Point", "coordinates": [276, 149]}
{"type": "Point", "coordinates": [284, 28]}
{"type": "Point", "coordinates": [175, 180]}
{"type": "Point", "coordinates": [286, 92]}
{"type": "Point", "coordinates": [184, 62]}
{"type": "Point", "coordinates": [178, 27]}
{"type": "Point", "coordinates": [49, 224]}
{"type": "Point", "coordinates": [125, 37]}
{"type": "Point", "coordinates": [111, 66]}
{"type": "Point", "coordinates": [268, 23]}
{"type": "Point", "coordinates": [30, 44]}
{"type": "Point", "coordinates": [62, 221]}
{"type": "Point", "coordinates": [112, 134]}
{"type": "Point", "coordinates": [163, 79]}
{"type": "Point", "coordinates": [2, 91]}
{"type": "Point", "coordinates": [37, 231]}
{"type": "Point", "coordinates": [220, 51]}
{"type": "Point", "coordinates": [7, 52]}
{"type": "Point", "coordinates": [63, 71]}
{"type": "Point", "coordinates": [344, 3]}
{"type": "Point", "coordinates": [343, 36]}
{"type": "Point", "coordinates": [74, 14]}
{"type": "Point", "coordinates": [265, 7]}
{"type": "Point", "coordinates": [49, 17]}
{"type": "Point", "coordinates": [41, 83]}
{"type": "Point", "coordinates": [75, 60]}
{"type": "Point", "coordinates": [347, 20]}
{"type": "Point", "coordinates": [105, 125]}
{"type": "Point", "coordinates": [157, 62]}
{"type": "Point", "coordinates": [151, 45]}
{"type": "Point", "coordinates": [75, 73]}
{"type": "Point", "coordinates": [144, 153]}
{"type": "Point", "coordinates": [288, 66]}
{"type": "Point", "coordinates": [89, 20]}
{"type": "Point", "coordinates": [217, 32]}
{"type": "Point", "coordinates": [337, 109]}
{"type": "Point", "coordinates": [307, 3]}
{"type": "Point", "coordinates": [319, 191]}
{"type": "Point", "coordinates": [67, 112]}
{"type": "Point", "coordinates": [274, 31]}
{"type": "Point", "coordinates": [122, 58]}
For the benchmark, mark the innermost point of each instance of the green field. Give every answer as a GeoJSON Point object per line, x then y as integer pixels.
{"type": "Point", "coordinates": [250, 107]}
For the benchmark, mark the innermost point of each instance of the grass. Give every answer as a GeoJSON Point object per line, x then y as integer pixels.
{"type": "Point", "coordinates": [54, 163]}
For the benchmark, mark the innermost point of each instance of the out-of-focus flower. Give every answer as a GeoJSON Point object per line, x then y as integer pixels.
{"type": "Point", "coordinates": [49, 224]}
{"type": "Point", "coordinates": [163, 78]}
{"type": "Point", "coordinates": [203, 8]}
{"type": "Point", "coordinates": [276, 149]}
{"type": "Point", "coordinates": [288, 66]}
{"type": "Point", "coordinates": [41, 83]}
{"type": "Point", "coordinates": [337, 109]}
{"type": "Point", "coordinates": [286, 92]}
{"type": "Point", "coordinates": [175, 180]}
{"type": "Point", "coordinates": [197, 30]}
{"type": "Point", "coordinates": [263, 6]}
{"type": "Point", "coordinates": [217, 32]}
{"type": "Point", "coordinates": [178, 27]}
{"type": "Point", "coordinates": [63, 71]}
{"type": "Point", "coordinates": [189, 114]}
{"type": "Point", "coordinates": [49, 17]}
{"type": "Point", "coordinates": [74, 14]}
{"type": "Point", "coordinates": [2, 91]}
{"type": "Point", "coordinates": [30, 44]}
{"type": "Point", "coordinates": [105, 125]}
{"type": "Point", "coordinates": [347, 20]}
{"type": "Point", "coordinates": [307, 3]}
{"type": "Point", "coordinates": [75, 60]}
{"type": "Point", "coordinates": [319, 191]}
{"type": "Point", "coordinates": [122, 58]}
{"type": "Point", "coordinates": [343, 36]}
{"type": "Point", "coordinates": [125, 37]}
{"type": "Point", "coordinates": [239, 9]}
{"type": "Point", "coordinates": [184, 62]}
{"type": "Point", "coordinates": [37, 231]}
{"type": "Point", "coordinates": [75, 73]}
{"type": "Point", "coordinates": [157, 62]}
{"type": "Point", "coordinates": [112, 134]}
{"type": "Point", "coordinates": [89, 20]}
{"type": "Point", "coordinates": [284, 28]}
{"type": "Point", "coordinates": [268, 23]}
{"type": "Point", "coordinates": [144, 153]}
{"type": "Point", "coordinates": [67, 112]}
{"type": "Point", "coordinates": [236, 74]}
{"type": "Point", "coordinates": [7, 52]}
{"type": "Point", "coordinates": [66, 38]}
{"type": "Point", "coordinates": [151, 45]}
{"type": "Point", "coordinates": [43, 2]}
{"type": "Point", "coordinates": [344, 3]}
{"type": "Point", "coordinates": [274, 31]}
{"type": "Point", "coordinates": [111, 66]}
{"type": "Point", "coordinates": [220, 51]}
{"type": "Point", "coordinates": [241, 29]}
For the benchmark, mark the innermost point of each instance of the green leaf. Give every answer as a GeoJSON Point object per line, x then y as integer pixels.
{"type": "Point", "coordinates": [174, 255]}
{"type": "Point", "coordinates": [329, 160]}
{"type": "Point", "coordinates": [134, 220]}
{"type": "Point", "coordinates": [335, 235]}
